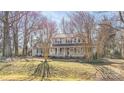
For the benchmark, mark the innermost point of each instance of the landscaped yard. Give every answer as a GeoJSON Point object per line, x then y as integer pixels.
{"type": "Point", "coordinates": [60, 70]}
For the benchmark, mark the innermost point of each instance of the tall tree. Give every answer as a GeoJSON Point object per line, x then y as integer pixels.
{"type": "Point", "coordinates": [121, 17]}
{"type": "Point", "coordinates": [15, 27]}
{"type": "Point", "coordinates": [30, 21]}
{"type": "Point", "coordinates": [6, 36]}
{"type": "Point", "coordinates": [83, 24]}
{"type": "Point", "coordinates": [106, 37]}
{"type": "Point", "coordinates": [8, 19]}
{"type": "Point", "coordinates": [47, 29]}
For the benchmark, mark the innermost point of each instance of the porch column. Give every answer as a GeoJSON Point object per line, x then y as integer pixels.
{"type": "Point", "coordinates": [64, 52]}
{"type": "Point", "coordinates": [57, 51]}
{"type": "Point", "coordinates": [73, 51]}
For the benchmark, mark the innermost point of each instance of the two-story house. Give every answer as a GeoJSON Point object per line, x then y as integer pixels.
{"type": "Point", "coordinates": [63, 45]}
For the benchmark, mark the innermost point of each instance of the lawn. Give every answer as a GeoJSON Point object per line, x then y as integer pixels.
{"type": "Point", "coordinates": [60, 70]}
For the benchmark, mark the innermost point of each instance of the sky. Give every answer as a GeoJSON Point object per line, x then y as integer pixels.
{"type": "Point", "coordinates": [58, 15]}
{"type": "Point", "coordinates": [55, 15]}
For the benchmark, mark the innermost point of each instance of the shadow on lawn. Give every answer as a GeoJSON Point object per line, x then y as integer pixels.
{"type": "Point", "coordinates": [104, 62]}
{"type": "Point", "coordinates": [94, 62]}
{"type": "Point", "coordinates": [66, 60]}
{"type": "Point", "coordinates": [5, 67]}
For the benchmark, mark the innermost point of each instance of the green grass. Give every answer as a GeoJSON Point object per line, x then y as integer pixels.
{"type": "Point", "coordinates": [60, 70]}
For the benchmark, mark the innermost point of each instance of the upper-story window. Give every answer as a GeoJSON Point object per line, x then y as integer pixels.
{"type": "Point", "coordinates": [66, 40]}
{"type": "Point", "coordinates": [74, 40]}
{"type": "Point", "coordinates": [56, 41]}
{"type": "Point", "coordinates": [60, 40]}
{"type": "Point", "coordinates": [69, 41]}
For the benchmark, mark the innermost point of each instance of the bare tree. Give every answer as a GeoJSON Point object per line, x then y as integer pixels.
{"type": "Point", "coordinates": [6, 36]}
{"type": "Point", "coordinates": [30, 20]}
{"type": "Point", "coordinates": [47, 29]}
{"type": "Point", "coordinates": [8, 19]}
{"type": "Point", "coordinates": [15, 27]}
{"type": "Point", "coordinates": [106, 37]}
{"type": "Point", "coordinates": [121, 17]}
{"type": "Point", "coordinates": [83, 24]}
{"type": "Point", "coordinates": [66, 26]}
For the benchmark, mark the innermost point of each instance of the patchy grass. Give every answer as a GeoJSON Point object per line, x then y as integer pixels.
{"type": "Point", "coordinates": [60, 70]}
{"type": "Point", "coordinates": [71, 71]}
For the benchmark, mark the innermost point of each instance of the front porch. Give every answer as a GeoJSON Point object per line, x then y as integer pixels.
{"type": "Point", "coordinates": [67, 52]}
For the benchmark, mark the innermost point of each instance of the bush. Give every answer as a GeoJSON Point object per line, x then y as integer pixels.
{"type": "Point", "coordinates": [117, 54]}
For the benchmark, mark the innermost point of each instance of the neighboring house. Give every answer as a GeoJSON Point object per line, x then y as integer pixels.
{"type": "Point", "coordinates": [37, 51]}
{"type": "Point", "coordinates": [63, 45]}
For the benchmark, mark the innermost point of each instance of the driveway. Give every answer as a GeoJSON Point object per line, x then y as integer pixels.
{"type": "Point", "coordinates": [111, 70]}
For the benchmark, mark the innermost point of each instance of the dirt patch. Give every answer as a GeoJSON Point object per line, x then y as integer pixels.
{"type": "Point", "coordinates": [107, 74]}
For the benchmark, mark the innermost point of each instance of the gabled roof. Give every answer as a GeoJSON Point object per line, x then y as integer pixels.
{"type": "Point", "coordinates": [62, 35]}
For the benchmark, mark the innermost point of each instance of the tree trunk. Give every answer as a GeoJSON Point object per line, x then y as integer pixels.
{"type": "Point", "coordinates": [25, 47]}
{"type": "Point", "coordinates": [6, 40]}
{"type": "Point", "coordinates": [16, 41]}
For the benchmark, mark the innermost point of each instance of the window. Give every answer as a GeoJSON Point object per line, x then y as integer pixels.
{"type": "Point", "coordinates": [60, 40]}
{"type": "Point", "coordinates": [75, 50]}
{"type": "Point", "coordinates": [71, 41]}
{"type": "Point", "coordinates": [55, 40]}
{"type": "Point", "coordinates": [37, 51]}
{"type": "Point", "coordinates": [55, 50]}
{"type": "Point", "coordinates": [78, 40]}
{"type": "Point", "coordinates": [75, 40]}
{"type": "Point", "coordinates": [66, 41]}
{"type": "Point", "coordinates": [60, 50]}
